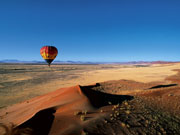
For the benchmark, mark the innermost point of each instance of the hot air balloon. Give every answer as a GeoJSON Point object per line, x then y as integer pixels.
{"type": "Point", "coordinates": [49, 53]}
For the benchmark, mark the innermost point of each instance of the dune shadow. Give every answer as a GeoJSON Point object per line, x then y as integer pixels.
{"type": "Point", "coordinates": [40, 123]}
{"type": "Point", "coordinates": [99, 99]}
{"type": "Point", "coordinates": [163, 86]}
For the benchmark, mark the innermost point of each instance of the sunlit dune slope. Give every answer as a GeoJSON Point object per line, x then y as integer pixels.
{"type": "Point", "coordinates": [71, 98]}
{"type": "Point", "coordinates": [59, 107]}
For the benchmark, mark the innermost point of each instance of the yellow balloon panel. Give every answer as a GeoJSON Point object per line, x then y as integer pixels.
{"type": "Point", "coordinates": [48, 56]}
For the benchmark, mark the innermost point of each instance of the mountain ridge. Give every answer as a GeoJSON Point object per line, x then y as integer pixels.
{"type": "Point", "coordinates": [9, 61]}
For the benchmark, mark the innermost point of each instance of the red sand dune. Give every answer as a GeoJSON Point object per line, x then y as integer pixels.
{"type": "Point", "coordinates": [54, 112]}
{"type": "Point", "coordinates": [62, 103]}
{"type": "Point", "coordinates": [58, 99]}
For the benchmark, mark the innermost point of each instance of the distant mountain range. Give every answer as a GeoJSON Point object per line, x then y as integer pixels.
{"type": "Point", "coordinates": [42, 62]}
{"type": "Point", "coordinates": [18, 61]}
{"type": "Point", "coordinates": [82, 62]}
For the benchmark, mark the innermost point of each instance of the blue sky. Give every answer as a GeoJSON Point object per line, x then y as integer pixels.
{"type": "Point", "coordinates": [91, 30]}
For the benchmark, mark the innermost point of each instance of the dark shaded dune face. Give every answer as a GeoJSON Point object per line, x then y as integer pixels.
{"type": "Point", "coordinates": [163, 86]}
{"type": "Point", "coordinates": [40, 124]}
{"type": "Point", "coordinates": [99, 99]}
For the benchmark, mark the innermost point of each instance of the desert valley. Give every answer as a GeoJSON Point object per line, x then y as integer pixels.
{"type": "Point", "coordinates": [90, 99]}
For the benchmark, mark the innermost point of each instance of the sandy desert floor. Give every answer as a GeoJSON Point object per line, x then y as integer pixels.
{"type": "Point", "coordinates": [22, 82]}
{"type": "Point", "coordinates": [135, 100]}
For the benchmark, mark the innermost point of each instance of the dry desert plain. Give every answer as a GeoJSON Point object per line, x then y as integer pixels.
{"type": "Point", "coordinates": [120, 99]}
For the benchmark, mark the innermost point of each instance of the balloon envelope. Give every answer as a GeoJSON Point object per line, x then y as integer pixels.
{"type": "Point", "coordinates": [49, 53]}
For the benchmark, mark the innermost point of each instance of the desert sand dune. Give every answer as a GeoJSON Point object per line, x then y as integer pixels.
{"type": "Point", "coordinates": [57, 109]}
